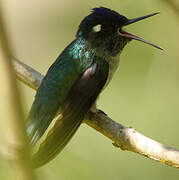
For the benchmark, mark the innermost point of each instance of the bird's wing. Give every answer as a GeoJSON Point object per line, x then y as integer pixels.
{"type": "Point", "coordinates": [81, 97]}
{"type": "Point", "coordinates": [51, 95]}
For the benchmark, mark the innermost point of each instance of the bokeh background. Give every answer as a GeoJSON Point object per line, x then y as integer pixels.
{"type": "Point", "coordinates": [144, 92]}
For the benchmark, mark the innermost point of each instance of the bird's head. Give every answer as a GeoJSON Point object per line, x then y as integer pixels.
{"type": "Point", "coordinates": [103, 28]}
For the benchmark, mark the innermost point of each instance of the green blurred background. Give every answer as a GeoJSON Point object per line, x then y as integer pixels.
{"type": "Point", "coordinates": [144, 92]}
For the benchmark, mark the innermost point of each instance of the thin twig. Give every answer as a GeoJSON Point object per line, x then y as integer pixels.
{"type": "Point", "coordinates": [123, 137]}
{"type": "Point", "coordinates": [12, 128]}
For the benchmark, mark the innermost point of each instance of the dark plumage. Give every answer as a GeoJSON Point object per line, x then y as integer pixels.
{"type": "Point", "coordinates": [74, 81]}
{"type": "Point", "coordinates": [80, 98]}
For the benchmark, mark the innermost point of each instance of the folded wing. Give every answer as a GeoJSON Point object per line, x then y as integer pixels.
{"type": "Point", "coordinates": [80, 98]}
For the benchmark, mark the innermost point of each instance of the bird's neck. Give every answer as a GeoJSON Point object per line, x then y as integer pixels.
{"type": "Point", "coordinates": [86, 50]}
{"type": "Point", "coordinates": [83, 49]}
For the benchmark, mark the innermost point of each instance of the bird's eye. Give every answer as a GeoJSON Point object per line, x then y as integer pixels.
{"type": "Point", "coordinates": [97, 28]}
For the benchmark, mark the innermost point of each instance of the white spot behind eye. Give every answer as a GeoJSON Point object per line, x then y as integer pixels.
{"type": "Point", "coordinates": [97, 28]}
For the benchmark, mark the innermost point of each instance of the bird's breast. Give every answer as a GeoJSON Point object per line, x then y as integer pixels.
{"type": "Point", "coordinates": [113, 65]}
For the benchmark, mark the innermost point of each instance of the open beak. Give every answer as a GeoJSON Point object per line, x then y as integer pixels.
{"type": "Point", "coordinates": [132, 36]}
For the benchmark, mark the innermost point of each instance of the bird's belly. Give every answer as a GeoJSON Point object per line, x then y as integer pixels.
{"type": "Point", "coordinates": [113, 65]}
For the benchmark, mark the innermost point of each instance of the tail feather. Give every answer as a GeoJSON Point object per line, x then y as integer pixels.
{"type": "Point", "coordinates": [35, 127]}
{"type": "Point", "coordinates": [57, 138]}
{"type": "Point", "coordinates": [40, 118]}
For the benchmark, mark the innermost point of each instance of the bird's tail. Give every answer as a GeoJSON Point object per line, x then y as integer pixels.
{"type": "Point", "coordinates": [59, 135]}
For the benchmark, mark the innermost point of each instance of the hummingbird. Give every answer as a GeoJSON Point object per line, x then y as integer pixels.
{"type": "Point", "coordinates": [74, 81]}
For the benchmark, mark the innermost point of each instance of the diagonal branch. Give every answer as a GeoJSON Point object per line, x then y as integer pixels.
{"type": "Point", "coordinates": [123, 137]}
{"type": "Point", "coordinates": [14, 143]}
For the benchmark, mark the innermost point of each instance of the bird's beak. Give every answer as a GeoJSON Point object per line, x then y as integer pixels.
{"type": "Point", "coordinates": [132, 36]}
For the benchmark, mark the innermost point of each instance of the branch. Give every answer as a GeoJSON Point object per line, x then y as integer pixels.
{"type": "Point", "coordinates": [123, 137]}
{"type": "Point", "coordinates": [14, 146]}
